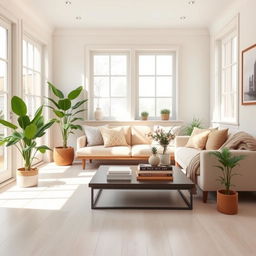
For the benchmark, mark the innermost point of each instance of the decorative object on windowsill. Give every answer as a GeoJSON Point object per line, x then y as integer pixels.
{"type": "Point", "coordinates": [227, 200]}
{"type": "Point", "coordinates": [165, 114]}
{"type": "Point", "coordinates": [66, 116]}
{"type": "Point", "coordinates": [154, 159]}
{"type": "Point", "coordinates": [25, 140]}
{"type": "Point", "coordinates": [144, 115]}
{"type": "Point", "coordinates": [249, 75]}
{"type": "Point", "coordinates": [163, 138]}
{"type": "Point", "coordinates": [196, 122]}
{"type": "Point", "coordinates": [98, 114]}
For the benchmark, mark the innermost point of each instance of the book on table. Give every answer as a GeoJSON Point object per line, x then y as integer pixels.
{"type": "Point", "coordinates": [119, 173]}
{"type": "Point", "coordinates": [148, 167]}
{"type": "Point", "coordinates": [155, 178]}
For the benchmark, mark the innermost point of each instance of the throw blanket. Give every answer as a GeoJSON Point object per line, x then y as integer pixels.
{"type": "Point", "coordinates": [238, 141]}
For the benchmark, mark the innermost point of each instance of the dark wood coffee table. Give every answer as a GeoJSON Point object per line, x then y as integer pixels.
{"type": "Point", "coordinates": [180, 182]}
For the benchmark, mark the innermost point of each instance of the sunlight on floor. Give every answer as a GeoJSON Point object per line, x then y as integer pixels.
{"type": "Point", "coordinates": [56, 186]}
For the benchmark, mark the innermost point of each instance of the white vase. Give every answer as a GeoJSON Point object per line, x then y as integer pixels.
{"type": "Point", "coordinates": [154, 160]}
{"type": "Point", "coordinates": [165, 159]}
{"type": "Point", "coordinates": [98, 114]}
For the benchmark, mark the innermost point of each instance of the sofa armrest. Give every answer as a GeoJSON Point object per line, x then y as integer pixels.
{"type": "Point", "coordinates": [244, 181]}
{"type": "Point", "coordinates": [81, 142]}
{"type": "Point", "coordinates": [181, 141]}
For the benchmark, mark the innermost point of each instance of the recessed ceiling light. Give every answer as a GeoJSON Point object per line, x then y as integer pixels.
{"type": "Point", "coordinates": [68, 2]}
{"type": "Point", "coordinates": [78, 17]}
{"type": "Point", "coordinates": [191, 2]}
{"type": "Point", "coordinates": [183, 17]}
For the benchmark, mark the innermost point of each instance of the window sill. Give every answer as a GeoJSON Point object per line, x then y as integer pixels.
{"type": "Point", "coordinates": [135, 121]}
{"type": "Point", "coordinates": [235, 124]}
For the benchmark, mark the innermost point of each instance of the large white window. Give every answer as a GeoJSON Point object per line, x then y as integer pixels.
{"type": "Point", "coordinates": [229, 78]}
{"type": "Point", "coordinates": [155, 83]}
{"type": "Point", "coordinates": [110, 85]}
{"type": "Point", "coordinates": [32, 74]}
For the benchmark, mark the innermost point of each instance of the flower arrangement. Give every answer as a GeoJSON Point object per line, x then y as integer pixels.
{"type": "Point", "coordinates": [163, 137]}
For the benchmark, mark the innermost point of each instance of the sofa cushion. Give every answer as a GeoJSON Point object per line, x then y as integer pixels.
{"type": "Point", "coordinates": [93, 135]}
{"type": "Point", "coordinates": [198, 138]}
{"type": "Point", "coordinates": [145, 150]}
{"type": "Point", "coordinates": [127, 132]}
{"type": "Point", "coordinates": [216, 139]}
{"type": "Point", "coordinates": [139, 135]}
{"type": "Point", "coordinates": [184, 155]}
{"type": "Point", "coordinates": [102, 151]}
{"type": "Point", "coordinates": [113, 137]}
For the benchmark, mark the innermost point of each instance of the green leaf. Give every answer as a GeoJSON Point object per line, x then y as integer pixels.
{"type": "Point", "coordinates": [79, 111]}
{"type": "Point", "coordinates": [18, 106]}
{"type": "Point", "coordinates": [76, 118]}
{"type": "Point", "coordinates": [56, 91]}
{"type": "Point", "coordinates": [8, 124]}
{"type": "Point", "coordinates": [64, 104]}
{"type": "Point", "coordinates": [53, 101]}
{"type": "Point", "coordinates": [17, 135]}
{"type": "Point", "coordinates": [78, 104]}
{"type": "Point", "coordinates": [30, 131]}
{"type": "Point", "coordinates": [41, 131]}
{"type": "Point", "coordinates": [43, 148]}
{"type": "Point", "coordinates": [40, 122]}
{"type": "Point", "coordinates": [75, 93]}
{"type": "Point", "coordinates": [12, 142]}
{"type": "Point", "coordinates": [58, 113]}
{"type": "Point", "coordinates": [23, 121]}
{"type": "Point", "coordinates": [38, 114]}
{"type": "Point", "coordinates": [76, 127]}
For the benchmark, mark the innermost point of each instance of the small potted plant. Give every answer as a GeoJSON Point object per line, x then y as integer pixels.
{"type": "Point", "coordinates": [196, 122]}
{"type": "Point", "coordinates": [164, 139]}
{"type": "Point", "coordinates": [165, 114]}
{"type": "Point", "coordinates": [25, 138]}
{"type": "Point", "coordinates": [227, 199]}
{"type": "Point", "coordinates": [154, 159]}
{"type": "Point", "coordinates": [144, 115]}
{"type": "Point", "coordinates": [66, 116]}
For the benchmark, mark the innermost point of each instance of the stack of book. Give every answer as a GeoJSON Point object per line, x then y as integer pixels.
{"type": "Point", "coordinates": [119, 173]}
{"type": "Point", "coordinates": [148, 172]}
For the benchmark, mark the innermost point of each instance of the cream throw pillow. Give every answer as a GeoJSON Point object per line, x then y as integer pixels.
{"type": "Point", "coordinates": [139, 135]}
{"type": "Point", "coordinates": [113, 137]}
{"type": "Point", "coordinates": [216, 139]}
{"type": "Point", "coordinates": [198, 138]}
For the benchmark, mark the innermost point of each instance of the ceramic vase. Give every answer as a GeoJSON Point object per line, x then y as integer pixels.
{"type": "Point", "coordinates": [98, 114]}
{"type": "Point", "coordinates": [154, 160]}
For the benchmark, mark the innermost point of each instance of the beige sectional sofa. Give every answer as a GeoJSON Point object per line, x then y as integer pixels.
{"type": "Point", "coordinates": [208, 174]}
{"type": "Point", "coordinates": [138, 148]}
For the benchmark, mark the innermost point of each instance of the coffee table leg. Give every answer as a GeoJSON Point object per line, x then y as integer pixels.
{"type": "Point", "coordinates": [189, 202]}
{"type": "Point", "coordinates": [94, 201]}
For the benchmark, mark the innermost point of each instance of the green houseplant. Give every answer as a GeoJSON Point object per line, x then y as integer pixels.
{"type": "Point", "coordinates": [196, 122]}
{"type": "Point", "coordinates": [144, 115]}
{"type": "Point", "coordinates": [165, 114]}
{"type": "Point", "coordinates": [65, 112]}
{"type": "Point", "coordinates": [227, 199]}
{"type": "Point", "coordinates": [24, 138]}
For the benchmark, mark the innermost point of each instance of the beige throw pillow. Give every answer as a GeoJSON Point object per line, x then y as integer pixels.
{"type": "Point", "coordinates": [127, 132]}
{"type": "Point", "coordinates": [139, 135]}
{"type": "Point", "coordinates": [113, 137]}
{"type": "Point", "coordinates": [198, 138]}
{"type": "Point", "coordinates": [216, 139]}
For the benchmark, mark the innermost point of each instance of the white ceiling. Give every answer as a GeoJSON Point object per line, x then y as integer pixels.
{"type": "Point", "coordinates": [129, 13]}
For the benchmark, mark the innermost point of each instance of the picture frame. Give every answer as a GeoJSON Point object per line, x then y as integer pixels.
{"type": "Point", "coordinates": [249, 76]}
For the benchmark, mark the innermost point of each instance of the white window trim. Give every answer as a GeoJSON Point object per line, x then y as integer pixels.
{"type": "Point", "coordinates": [132, 49]}
{"type": "Point", "coordinates": [231, 28]}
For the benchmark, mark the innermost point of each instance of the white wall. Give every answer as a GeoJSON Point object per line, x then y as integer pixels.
{"type": "Point", "coordinates": [194, 58]}
{"type": "Point", "coordinates": [246, 10]}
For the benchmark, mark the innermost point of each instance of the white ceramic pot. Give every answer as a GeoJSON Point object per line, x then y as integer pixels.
{"type": "Point", "coordinates": [98, 114]}
{"type": "Point", "coordinates": [165, 159]}
{"type": "Point", "coordinates": [26, 179]}
{"type": "Point", "coordinates": [154, 160]}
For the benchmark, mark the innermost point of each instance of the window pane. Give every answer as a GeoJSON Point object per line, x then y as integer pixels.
{"type": "Point", "coordinates": [147, 65]}
{"type": "Point", "coordinates": [118, 86]}
{"type": "Point", "coordinates": [3, 43]}
{"type": "Point", "coordinates": [101, 65]}
{"type": "Point", "coordinates": [147, 86]}
{"type": "Point", "coordinates": [228, 53]}
{"type": "Point", "coordinates": [24, 56]}
{"type": "Point", "coordinates": [147, 104]}
{"type": "Point", "coordinates": [234, 50]}
{"type": "Point", "coordinates": [3, 76]}
{"type": "Point", "coordinates": [163, 103]}
{"type": "Point", "coordinates": [28, 81]}
{"type": "Point", "coordinates": [164, 86]}
{"type": "Point", "coordinates": [118, 65]}
{"type": "Point", "coordinates": [234, 78]}
{"type": "Point", "coordinates": [30, 55]}
{"type": "Point", "coordinates": [164, 65]}
{"type": "Point", "coordinates": [104, 104]}
{"type": "Point", "coordinates": [101, 86]}
{"type": "Point", "coordinates": [119, 108]}
{"type": "Point", "coordinates": [37, 84]}
{"type": "Point", "coordinates": [37, 59]}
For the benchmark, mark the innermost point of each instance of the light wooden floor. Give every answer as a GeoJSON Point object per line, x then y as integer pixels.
{"type": "Point", "coordinates": [55, 219]}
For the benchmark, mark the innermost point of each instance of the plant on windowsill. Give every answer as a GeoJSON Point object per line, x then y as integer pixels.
{"type": "Point", "coordinates": [144, 115]}
{"type": "Point", "coordinates": [227, 199]}
{"type": "Point", "coordinates": [165, 114]}
{"type": "Point", "coordinates": [196, 122]}
{"type": "Point", "coordinates": [66, 117]}
{"type": "Point", "coordinates": [24, 138]}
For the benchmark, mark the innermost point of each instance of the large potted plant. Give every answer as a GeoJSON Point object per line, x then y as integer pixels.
{"type": "Point", "coordinates": [227, 199]}
{"type": "Point", "coordinates": [66, 117]}
{"type": "Point", "coordinates": [163, 138]}
{"type": "Point", "coordinates": [24, 138]}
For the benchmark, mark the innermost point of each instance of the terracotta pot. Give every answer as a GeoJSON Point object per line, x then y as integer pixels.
{"type": "Point", "coordinates": [165, 116]}
{"type": "Point", "coordinates": [63, 156]}
{"type": "Point", "coordinates": [26, 179]}
{"type": "Point", "coordinates": [144, 118]}
{"type": "Point", "coordinates": [227, 204]}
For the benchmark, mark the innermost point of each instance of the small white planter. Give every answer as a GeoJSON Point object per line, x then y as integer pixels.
{"type": "Point", "coordinates": [165, 159]}
{"type": "Point", "coordinates": [98, 114]}
{"type": "Point", "coordinates": [26, 179]}
{"type": "Point", "coordinates": [154, 160]}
